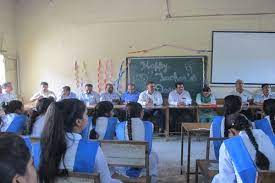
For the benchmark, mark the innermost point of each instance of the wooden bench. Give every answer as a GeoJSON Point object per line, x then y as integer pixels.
{"type": "Point", "coordinates": [127, 154]}
{"type": "Point", "coordinates": [74, 177]}
{"type": "Point", "coordinates": [264, 176]}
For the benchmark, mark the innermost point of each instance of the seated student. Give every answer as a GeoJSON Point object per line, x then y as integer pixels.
{"type": "Point", "coordinates": [7, 95]}
{"type": "Point", "coordinates": [38, 117]}
{"type": "Point", "coordinates": [103, 124]}
{"type": "Point", "coordinates": [89, 97]}
{"type": "Point", "coordinates": [267, 124]}
{"type": "Point", "coordinates": [66, 93]}
{"type": "Point", "coordinates": [180, 97]}
{"type": "Point", "coordinates": [43, 93]}
{"type": "Point", "coordinates": [110, 95]}
{"type": "Point", "coordinates": [206, 98]}
{"type": "Point", "coordinates": [14, 119]}
{"type": "Point", "coordinates": [219, 127]}
{"type": "Point", "coordinates": [266, 94]}
{"type": "Point", "coordinates": [136, 129]}
{"type": "Point", "coordinates": [16, 164]}
{"type": "Point", "coordinates": [63, 149]}
{"type": "Point", "coordinates": [149, 98]}
{"type": "Point", "coordinates": [131, 95]}
{"type": "Point", "coordinates": [246, 98]}
{"type": "Point", "coordinates": [244, 153]}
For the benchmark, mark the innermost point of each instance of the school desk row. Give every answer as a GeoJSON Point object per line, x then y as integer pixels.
{"type": "Point", "coordinates": [166, 110]}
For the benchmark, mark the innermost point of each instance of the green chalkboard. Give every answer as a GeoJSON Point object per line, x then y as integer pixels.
{"type": "Point", "coordinates": [165, 71]}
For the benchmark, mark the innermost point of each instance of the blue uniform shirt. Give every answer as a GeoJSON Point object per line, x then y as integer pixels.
{"type": "Point", "coordinates": [130, 97]}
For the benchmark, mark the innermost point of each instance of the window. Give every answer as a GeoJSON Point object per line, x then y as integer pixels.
{"type": "Point", "coordinates": [2, 69]}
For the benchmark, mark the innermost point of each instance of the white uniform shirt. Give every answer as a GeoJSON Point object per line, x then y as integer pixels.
{"type": "Point", "coordinates": [101, 165]}
{"type": "Point", "coordinates": [106, 96]}
{"type": "Point", "coordinates": [7, 97]}
{"type": "Point", "coordinates": [6, 121]}
{"type": "Point", "coordinates": [38, 126]}
{"type": "Point", "coordinates": [175, 98]}
{"type": "Point", "coordinates": [138, 134]}
{"type": "Point", "coordinates": [260, 98]}
{"type": "Point", "coordinates": [245, 95]}
{"type": "Point", "coordinates": [155, 97]}
{"type": "Point", "coordinates": [227, 170]}
{"type": "Point", "coordinates": [90, 98]}
{"type": "Point", "coordinates": [198, 99]}
{"type": "Point", "coordinates": [43, 94]}
{"type": "Point", "coordinates": [101, 127]}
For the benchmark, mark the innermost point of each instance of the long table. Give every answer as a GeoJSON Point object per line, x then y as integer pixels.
{"type": "Point", "coordinates": [166, 110]}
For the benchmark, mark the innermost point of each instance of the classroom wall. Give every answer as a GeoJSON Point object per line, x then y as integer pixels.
{"type": "Point", "coordinates": [53, 34]}
{"type": "Point", "coordinates": [8, 39]}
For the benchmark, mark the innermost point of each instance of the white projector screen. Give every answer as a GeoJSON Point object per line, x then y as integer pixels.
{"type": "Point", "coordinates": [249, 56]}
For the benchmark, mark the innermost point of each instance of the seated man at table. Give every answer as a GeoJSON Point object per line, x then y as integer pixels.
{"type": "Point", "coordinates": [266, 94]}
{"type": "Point", "coordinates": [89, 97]}
{"type": "Point", "coordinates": [7, 95]}
{"type": "Point", "coordinates": [110, 95]}
{"type": "Point", "coordinates": [246, 98]}
{"type": "Point", "coordinates": [66, 93]}
{"type": "Point", "coordinates": [206, 98]}
{"type": "Point", "coordinates": [180, 97]}
{"type": "Point", "coordinates": [131, 95]}
{"type": "Point", "coordinates": [43, 93]}
{"type": "Point", "coordinates": [150, 98]}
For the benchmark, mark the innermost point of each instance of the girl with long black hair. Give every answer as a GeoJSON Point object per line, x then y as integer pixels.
{"type": "Point", "coordinates": [244, 153]}
{"type": "Point", "coordinates": [134, 129]}
{"type": "Point", "coordinates": [62, 147]}
{"type": "Point", "coordinates": [219, 127]}
{"type": "Point", "coordinates": [14, 119]}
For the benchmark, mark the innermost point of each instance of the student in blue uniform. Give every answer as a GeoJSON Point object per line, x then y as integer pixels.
{"type": "Point", "coordinates": [219, 127]}
{"type": "Point", "coordinates": [62, 147]}
{"type": "Point", "coordinates": [16, 164]}
{"type": "Point", "coordinates": [137, 130]}
{"type": "Point", "coordinates": [267, 124]}
{"type": "Point", "coordinates": [37, 122]}
{"type": "Point", "coordinates": [244, 153]}
{"type": "Point", "coordinates": [14, 119]}
{"type": "Point", "coordinates": [103, 124]}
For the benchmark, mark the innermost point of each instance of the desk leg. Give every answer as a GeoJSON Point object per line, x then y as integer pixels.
{"type": "Point", "coordinates": [197, 172]}
{"type": "Point", "coordinates": [167, 130]}
{"type": "Point", "coordinates": [197, 113]}
{"type": "Point", "coordinates": [188, 157]}
{"type": "Point", "coordinates": [181, 152]}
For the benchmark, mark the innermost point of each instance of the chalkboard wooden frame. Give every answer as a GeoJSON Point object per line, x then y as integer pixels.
{"type": "Point", "coordinates": [203, 59]}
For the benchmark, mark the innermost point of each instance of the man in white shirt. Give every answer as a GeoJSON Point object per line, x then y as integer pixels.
{"type": "Point", "coordinates": [89, 97]}
{"type": "Point", "coordinates": [7, 95]}
{"type": "Point", "coordinates": [246, 97]}
{"type": "Point", "coordinates": [266, 94]}
{"type": "Point", "coordinates": [180, 97]}
{"type": "Point", "coordinates": [44, 93]}
{"type": "Point", "coordinates": [67, 93]}
{"type": "Point", "coordinates": [149, 98]}
{"type": "Point", "coordinates": [110, 95]}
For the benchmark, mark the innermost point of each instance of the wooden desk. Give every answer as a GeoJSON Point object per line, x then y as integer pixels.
{"type": "Point", "coordinates": [208, 168]}
{"type": "Point", "coordinates": [191, 129]}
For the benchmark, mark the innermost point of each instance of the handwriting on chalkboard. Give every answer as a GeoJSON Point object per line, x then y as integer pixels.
{"type": "Point", "coordinates": [155, 66]}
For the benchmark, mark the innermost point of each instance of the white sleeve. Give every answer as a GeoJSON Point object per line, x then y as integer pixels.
{"type": "Point", "coordinates": [188, 100]}
{"type": "Point", "coordinates": [257, 99]}
{"type": "Point", "coordinates": [102, 168]}
{"type": "Point", "coordinates": [226, 169]}
{"type": "Point", "coordinates": [142, 99]}
{"type": "Point", "coordinates": [97, 97]}
{"type": "Point", "coordinates": [171, 100]}
{"type": "Point", "coordinates": [213, 99]}
{"type": "Point", "coordinates": [102, 97]}
{"type": "Point", "coordinates": [159, 99]}
{"type": "Point", "coordinates": [35, 96]}
{"type": "Point", "coordinates": [198, 99]}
